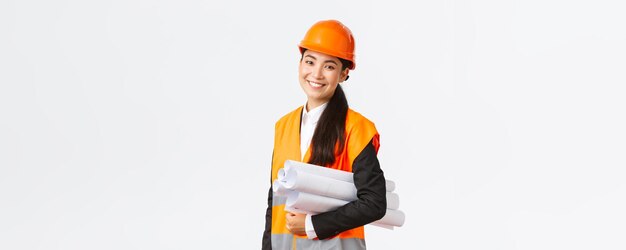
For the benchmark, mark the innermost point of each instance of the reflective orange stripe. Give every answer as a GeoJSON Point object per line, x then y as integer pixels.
{"type": "Point", "coordinates": [279, 220]}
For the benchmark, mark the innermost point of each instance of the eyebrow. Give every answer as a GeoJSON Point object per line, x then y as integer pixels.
{"type": "Point", "coordinates": [329, 61]}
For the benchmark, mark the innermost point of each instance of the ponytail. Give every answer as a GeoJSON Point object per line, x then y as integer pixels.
{"type": "Point", "coordinates": [329, 136]}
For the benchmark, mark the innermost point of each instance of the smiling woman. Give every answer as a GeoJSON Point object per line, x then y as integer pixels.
{"type": "Point", "coordinates": [326, 132]}
{"type": "Point", "coordinates": [320, 74]}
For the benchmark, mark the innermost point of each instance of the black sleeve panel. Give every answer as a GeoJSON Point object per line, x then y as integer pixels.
{"type": "Point", "coordinates": [267, 234]}
{"type": "Point", "coordinates": [371, 204]}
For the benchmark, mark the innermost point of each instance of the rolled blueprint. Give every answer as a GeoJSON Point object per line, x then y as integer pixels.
{"type": "Point", "coordinates": [323, 171]}
{"type": "Point", "coordinates": [299, 202]}
{"type": "Point", "coordinates": [314, 189]}
{"type": "Point", "coordinates": [381, 225]}
{"type": "Point", "coordinates": [279, 188]}
{"type": "Point", "coordinates": [317, 170]}
{"type": "Point", "coordinates": [319, 185]}
{"type": "Point", "coordinates": [392, 218]}
{"type": "Point", "coordinates": [390, 185]}
{"type": "Point", "coordinates": [311, 203]}
{"type": "Point", "coordinates": [393, 201]}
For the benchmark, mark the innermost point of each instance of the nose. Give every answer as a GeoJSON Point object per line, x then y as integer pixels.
{"type": "Point", "coordinates": [317, 72]}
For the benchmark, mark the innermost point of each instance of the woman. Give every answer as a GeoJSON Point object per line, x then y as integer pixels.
{"type": "Point", "coordinates": [326, 132]}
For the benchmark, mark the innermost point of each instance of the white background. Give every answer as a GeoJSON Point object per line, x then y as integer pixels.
{"type": "Point", "coordinates": [149, 124]}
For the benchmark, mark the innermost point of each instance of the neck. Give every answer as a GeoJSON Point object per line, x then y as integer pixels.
{"type": "Point", "coordinates": [311, 104]}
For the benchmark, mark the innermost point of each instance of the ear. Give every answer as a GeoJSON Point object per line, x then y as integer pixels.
{"type": "Point", "coordinates": [344, 75]}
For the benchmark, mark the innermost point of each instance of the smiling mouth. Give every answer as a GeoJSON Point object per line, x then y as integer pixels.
{"type": "Point", "coordinates": [315, 84]}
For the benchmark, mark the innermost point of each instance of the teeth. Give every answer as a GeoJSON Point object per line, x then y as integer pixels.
{"type": "Point", "coordinates": [314, 84]}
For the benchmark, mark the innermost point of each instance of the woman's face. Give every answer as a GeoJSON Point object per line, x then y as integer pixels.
{"type": "Point", "coordinates": [319, 75]}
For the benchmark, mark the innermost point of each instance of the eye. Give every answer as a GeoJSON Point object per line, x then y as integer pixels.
{"type": "Point", "coordinates": [330, 67]}
{"type": "Point", "coordinates": [309, 62]}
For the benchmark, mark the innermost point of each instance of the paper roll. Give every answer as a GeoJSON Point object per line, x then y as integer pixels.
{"type": "Point", "coordinates": [382, 225]}
{"type": "Point", "coordinates": [392, 218]}
{"type": "Point", "coordinates": [319, 185]}
{"type": "Point", "coordinates": [318, 170]}
{"type": "Point", "coordinates": [279, 188]}
{"type": "Point", "coordinates": [393, 201]}
{"type": "Point", "coordinates": [295, 210]}
{"type": "Point", "coordinates": [312, 203]}
{"type": "Point", "coordinates": [390, 185]}
{"type": "Point", "coordinates": [319, 204]}
{"type": "Point", "coordinates": [324, 171]}
{"type": "Point", "coordinates": [313, 189]}
{"type": "Point", "coordinates": [326, 187]}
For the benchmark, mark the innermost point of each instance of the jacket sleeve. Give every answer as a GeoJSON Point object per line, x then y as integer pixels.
{"type": "Point", "coordinates": [371, 203]}
{"type": "Point", "coordinates": [267, 233]}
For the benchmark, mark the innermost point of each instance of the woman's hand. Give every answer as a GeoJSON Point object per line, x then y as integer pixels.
{"type": "Point", "coordinates": [295, 223]}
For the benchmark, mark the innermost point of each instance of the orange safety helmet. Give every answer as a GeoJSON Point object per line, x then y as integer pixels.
{"type": "Point", "coordinates": [330, 37]}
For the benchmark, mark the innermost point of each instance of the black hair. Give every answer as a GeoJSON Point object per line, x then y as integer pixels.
{"type": "Point", "coordinates": [329, 136]}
